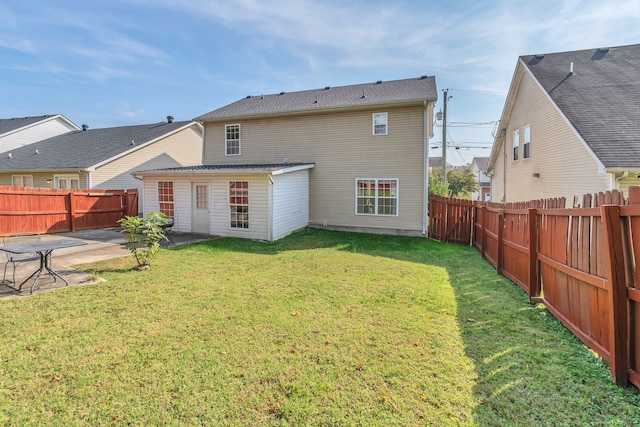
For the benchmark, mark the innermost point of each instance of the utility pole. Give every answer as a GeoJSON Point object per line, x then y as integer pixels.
{"type": "Point", "coordinates": [444, 137]}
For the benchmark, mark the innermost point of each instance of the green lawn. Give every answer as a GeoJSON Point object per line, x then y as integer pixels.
{"type": "Point", "coordinates": [321, 328]}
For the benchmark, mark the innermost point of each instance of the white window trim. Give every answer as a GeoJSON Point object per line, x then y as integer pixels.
{"type": "Point", "coordinates": [525, 142]}
{"type": "Point", "coordinates": [173, 187]}
{"type": "Point", "coordinates": [376, 196]}
{"type": "Point", "coordinates": [386, 124]}
{"type": "Point", "coordinates": [515, 135]}
{"type": "Point", "coordinates": [22, 177]}
{"type": "Point", "coordinates": [226, 151]}
{"type": "Point", "coordinates": [56, 179]}
{"type": "Point", "coordinates": [248, 227]}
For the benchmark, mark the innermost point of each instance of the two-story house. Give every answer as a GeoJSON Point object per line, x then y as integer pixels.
{"type": "Point", "coordinates": [350, 157]}
{"type": "Point", "coordinates": [570, 126]}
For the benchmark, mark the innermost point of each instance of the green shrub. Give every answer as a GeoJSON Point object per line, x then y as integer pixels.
{"type": "Point", "coordinates": [144, 236]}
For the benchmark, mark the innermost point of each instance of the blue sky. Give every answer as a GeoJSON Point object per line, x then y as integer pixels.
{"type": "Point", "coordinates": [127, 62]}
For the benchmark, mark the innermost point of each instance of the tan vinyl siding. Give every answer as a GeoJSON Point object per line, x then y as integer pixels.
{"type": "Point", "coordinates": [180, 149]}
{"type": "Point", "coordinates": [565, 165]}
{"type": "Point", "coordinates": [625, 183]}
{"type": "Point", "coordinates": [40, 178]}
{"type": "Point", "coordinates": [343, 148]}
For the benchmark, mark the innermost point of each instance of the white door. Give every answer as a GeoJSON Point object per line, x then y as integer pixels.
{"type": "Point", "coordinates": [200, 207]}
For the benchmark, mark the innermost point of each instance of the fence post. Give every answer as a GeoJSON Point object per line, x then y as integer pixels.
{"type": "Point", "coordinates": [72, 210]}
{"type": "Point", "coordinates": [500, 262]}
{"type": "Point", "coordinates": [618, 304]}
{"type": "Point", "coordinates": [534, 279]}
{"type": "Point", "coordinates": [483, 237]}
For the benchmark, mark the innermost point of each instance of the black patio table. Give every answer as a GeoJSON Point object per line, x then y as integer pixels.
{"type": "Point", "coordinates": [43, 248]}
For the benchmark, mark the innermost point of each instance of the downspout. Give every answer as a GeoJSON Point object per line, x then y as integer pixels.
{"type": "Point", "coordinates": [270, 210]}
{"type": "Point", "coordinates": [504, 168]}
{"type": "Point", "coordinates": [425, 207]}
{"type": "Point", "coordinates": [620, 178]}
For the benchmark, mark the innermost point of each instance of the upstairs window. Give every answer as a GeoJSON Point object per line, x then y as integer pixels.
{"type": "Point", "coordinates": [526, 134]}
{"type": "Point", "coordinates": [232, 140]}
{"type": "Point", "coordinates": [380, 123]}
{"type": "Point", "coordinates": [165, 197]}
{"type": "Point", "coordinates": [516, 144]}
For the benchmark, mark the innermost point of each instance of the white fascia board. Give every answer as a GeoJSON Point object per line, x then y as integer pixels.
{"type": "Point", "coordinates": [144, 144]}
{"type": "Point", "coordinates": [292, 169]}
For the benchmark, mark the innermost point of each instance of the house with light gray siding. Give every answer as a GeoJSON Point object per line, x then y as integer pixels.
{"type": "Point", "coordinates": [347, 158]}
{"type": "Point", "coordinates": [102, 158]}
{"type": "Point", "coordinates": [570, 126]}
{"type": "Point", "coordinates": [18, 132]}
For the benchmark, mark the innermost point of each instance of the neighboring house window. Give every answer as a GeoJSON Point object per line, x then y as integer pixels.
{"type": "Point", "coordinates": [232, 140]}
{"type": "Point", "coordinates": [66, 181]}
{"type": "Point", "coordinates": [376, 196]}
{"type": "Point", "coordinates": [526, 134]}
{"type": "Point", "coordinates": [380, 123]}
{"type": "Point", "coordinates": [22, 180]}
{"type": "Point", "coordinates": [239, 203]}
{"type": "Point", "coordinates": [516, 144]}
{"type": "Point", "coordinates": [165, 198]}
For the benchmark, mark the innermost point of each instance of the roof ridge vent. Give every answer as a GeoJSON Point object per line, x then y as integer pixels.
{"type": "Point", "coordinates": [379, 82]}
{"type": "Point", "coordinates": [327, 87]}
{"type": "Point", "coordinates": [282, 93]}
{"type": "Point", "coordinates": [423, 77]}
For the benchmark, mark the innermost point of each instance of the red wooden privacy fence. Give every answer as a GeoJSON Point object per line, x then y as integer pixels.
{"type": "Point", "coordinates": [43, 210]}
{"type": "Point", "coordinates": [583, 263]}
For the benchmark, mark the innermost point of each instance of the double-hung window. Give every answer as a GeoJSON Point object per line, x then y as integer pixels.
{"type": "Point", "coordinates": [516, 143]}
{"type": "Point", "coordinates": [526, 134]}
{"type": "Point", "coordinates": [165, 198]}
{"type": "Point", "coordinates": [232, 140]}
{"type": "Point", "coordinates": [375, 196]}
{"type": "Point", "coordinates": [239, 204]}
{"type": "Point", "coordinates": [22, 180]}
{"type": "Point", "coordinates": [380, 121]}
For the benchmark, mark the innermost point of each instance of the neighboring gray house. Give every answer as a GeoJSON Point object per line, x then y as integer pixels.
{"type": "Point", "coordinates": [478, 168]}
{"type": "Point", "coordinates": [349, 157]}
{"type": "Point", "coordinates": [102, 158]}
{"type": "Point", "coordinates": [570, 126]}
{"type": "Point", "coordinates": [18, 132]}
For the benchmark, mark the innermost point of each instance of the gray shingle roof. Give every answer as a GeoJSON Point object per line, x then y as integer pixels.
{"type": "Point", "coordinates": [481, 162]}
{"type": "Point", "coordinates": [8, 125]}
{"type": "Point", "coordinates": [82, 149]}
{"type": "Point", "coordinates": [601, 98]}
{"type": "Point", "coordinates": [353, 96]}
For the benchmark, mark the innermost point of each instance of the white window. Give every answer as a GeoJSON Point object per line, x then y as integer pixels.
{"type": "Point", "coordinates": [239, 203]}
{"type": "Point", "coordinates": [526, 134]}
{"type": "Point", "coordinates": [516, 144]}
{"type": "Point", "coordinates": [66, 181]}
{"type": "Point", "coordinates": [232, 140]}
{"type": "Point", "coordinates": [22, 180]}
{"type": "Point", "coordinates": [376, 196]}
{"type": "Point", "coordinates": [380, 123]}
{"type": "Point", "coordinates": [165, 198]}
